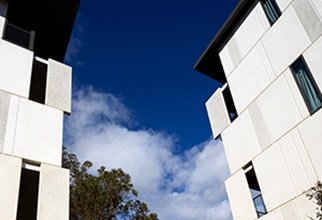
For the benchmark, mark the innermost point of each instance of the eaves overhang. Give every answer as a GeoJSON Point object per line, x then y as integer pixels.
{"type": "Point", "coordinates": [52, 21]}
{"type": "Point", "coordinates": [209, 63]}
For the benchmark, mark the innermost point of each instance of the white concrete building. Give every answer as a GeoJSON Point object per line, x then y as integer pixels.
{"type": "Point", "coordinates": [268, 57]}
{"type": "Point", "coordinates": [35, 92]}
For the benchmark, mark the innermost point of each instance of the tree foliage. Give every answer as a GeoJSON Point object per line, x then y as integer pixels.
{"type": "Point", "coordinates": [108, 195]}
{"type": "Point", "coordinates": [315, 194]}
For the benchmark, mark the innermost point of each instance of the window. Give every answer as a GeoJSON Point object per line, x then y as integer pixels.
{"type": "Point", "coordinates": [28, 195]}
{"type": "Point", "coordinates": [271, 9]}
{"type": "Point", "coordinates": [19, 36]}
{"type": "Point", "coordinates": [229, 103]}
{"type": "Point", "coordinates": [255, 190]}
{"type": "Point", "coordinates": [38, 82]}
{"type": "Point", "coordinates": [307, 85]}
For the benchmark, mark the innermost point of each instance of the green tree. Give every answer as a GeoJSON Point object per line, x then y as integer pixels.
{"type": "Point", "coordinates": [315, 194]}
{"type": "Point", "coordinates": [106, 196]}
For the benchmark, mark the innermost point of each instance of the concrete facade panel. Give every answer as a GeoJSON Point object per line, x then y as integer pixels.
{"type": "Point", "coordinates": [217, 113]}
{"type": "Point", "coordinates": [38, 134]}
{"type": "Point", "coordinates": [262, 17]}
{"type": "Point", "coordinates": [310, 131]}
{"type": "Point", "coordinates": [305, 159]}
{"type": "Point", "coordinates": [298, 98]}
{"type": "Point", "coordinates": [282, 4]}
{"type": "Point", "coordinates": [287, 35]}
{"type": "Point", "coordinates": [314, 62]}
{"type": "Point", "coordinates": [258, 69]}
{"type": "Point", "coordinates": [239, 142]}
{"type": "Point", "coordinates": [239, 196]}
{"type": "Point", "coordinates": [234, 52]}
{"type": "Point", "coordinates": [288, 211]}
{"type": "Point", "coordinates": [59, 86]}
{"type": "Point", "coordinates": [297, 171]}
{"type": "Point", "coordinates": [274, 180]}
{"type": "Point", "coordinates": [10, 169]}
{"type": "Point", "coordinates": [243, 86]}
{"type": "Point", "coordinates": [259, 125]}
{"type": "Point", "coordinates": [16, 64]}
{"type": "Point", "coordinates": [252, 24]}
{"type": "Point", "coordinates": [53, 193]}
{"type": "Point", "coordinates": [308, 17]}
{"type": "Point", "coordinates": [266, 62]}
{"type": "Point", "coordinates": [305, 209]}
{"type": "Point", "coordinates": [11, 125]}
{"type": "Point", "coordinates": [317, 4]}
{"type": "Point", "coordinates": [279, 109]}
{"type": "Point", "coordinates": [226, 61]}
{"type": "Point", "coordinates": [4, 111]}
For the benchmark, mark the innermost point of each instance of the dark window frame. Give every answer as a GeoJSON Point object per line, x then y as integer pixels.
{"type": "Point", "coordinates": [310, 76]}
{"type": "Point", "coordinates": [275, 7]}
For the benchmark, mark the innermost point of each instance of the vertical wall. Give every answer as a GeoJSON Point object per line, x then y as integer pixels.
{"type": "Point", "coordinates": [274, 129]}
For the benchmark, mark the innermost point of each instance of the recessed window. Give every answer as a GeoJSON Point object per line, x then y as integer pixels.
{"type": "Point", "coordinates": [19, 36]}
{"type": "Point", "coordinates": [229, 103]}
{"type": "Point", "coordinates": [307, 85]}
{"type": "Point", "coordinates": [272, 10]}
{"type": "Point", "coordinates": [28, 195]}
{"type": "Point", "coordinates": [255, 190]}
{"type": "Point", "coordinates": [38, 82]}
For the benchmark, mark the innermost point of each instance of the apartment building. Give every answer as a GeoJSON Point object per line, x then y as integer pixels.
{"type": "Point", "coordinates": [35, 93]}
{"type": "Point", "coordinates": [268, 57]}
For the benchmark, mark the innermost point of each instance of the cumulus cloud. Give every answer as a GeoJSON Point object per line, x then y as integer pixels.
{"type": "Point", "coordinates": [184, 186]}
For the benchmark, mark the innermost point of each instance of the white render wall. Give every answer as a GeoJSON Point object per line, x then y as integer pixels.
{"type": "Point", "coordinates": [274, 128]}
{"type": "Point", "coordinates": [53, 201]}
{"type": "Point", "coordinates": [10, 170]}
{"type": "Point", "coordinates": [34, 131]}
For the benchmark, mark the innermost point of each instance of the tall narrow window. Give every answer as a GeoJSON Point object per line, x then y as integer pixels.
{"type": "Point", "coordinates": [38, 82]}
{"type": "Point", "coordinates": [307, 85]}
{"type": "Point", "coordinates": [28, 195]}
{"type": "Point", "coordinates": [272, 10]}
{"type": "Point", "coordinates": [255, 190]}
{"type": "Point", "coordinates": [229, 104]}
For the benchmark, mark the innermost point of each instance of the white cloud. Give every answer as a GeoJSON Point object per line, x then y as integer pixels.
{"type": "Point", "coordinates": [186, 186]}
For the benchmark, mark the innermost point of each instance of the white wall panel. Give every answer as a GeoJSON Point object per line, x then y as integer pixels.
{"type": "Point", "coordinates": [243, 86]}
{"type": "Point", "coordinates": [240, 200]}
{"type": "Point", "coordinates": [10, 169]}
{"type": "Point", "coordinates": [282, 4]}
{"type": "Point", "coordinates": [217, 113]}
{"type": "Point", "coordinates": [226, 61]}
{"type": "Point", "coordinates": [298, 98]}
{"type": "Point", "coordinates": [309, 18]}
{"type": "Point", "coordinates": [250, 31]}
{"type": "Point", "coordinates": [297, 171]}
{"type": "Point", "coordinates": [310, 131]}
{"type": "Point", "coordinates": [11, 125]}
{"type": "Point", "coordinates": [4, 112]}
{"type": "Point", "coordinates": [53, 201]}
{"type": "Point", "coordinates": [16, 64]}
{"type": "Point", "coordinates": [38, 134]}
{"type": "Point", "coordinates": [279, 109]}
{"type": "Point", "coordinates": [273, 177]}
{"type": "Point", "coordinates": [240, 142]}
{"type": "Point", "coordinates": [258, 68]}
{"type": "Point", "coordinates": [59, 86]}
{"type": "Point", "coordinates": [313, 59]}
{"type": "Point", "coordinates": [317, 4]}
{"type": "Point", "coordinates": [285, 41]}
{"type": "Point", "coordinates": [305, 209]}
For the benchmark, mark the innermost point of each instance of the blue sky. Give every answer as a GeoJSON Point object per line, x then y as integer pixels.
{"type": "Point", "coordinates": [138, 103]}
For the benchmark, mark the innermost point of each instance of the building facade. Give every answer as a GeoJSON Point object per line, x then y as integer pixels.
{"type": "Point", "coordinates": [268, 57]}
{"type": "Point", "coordinates": [35, 92]}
